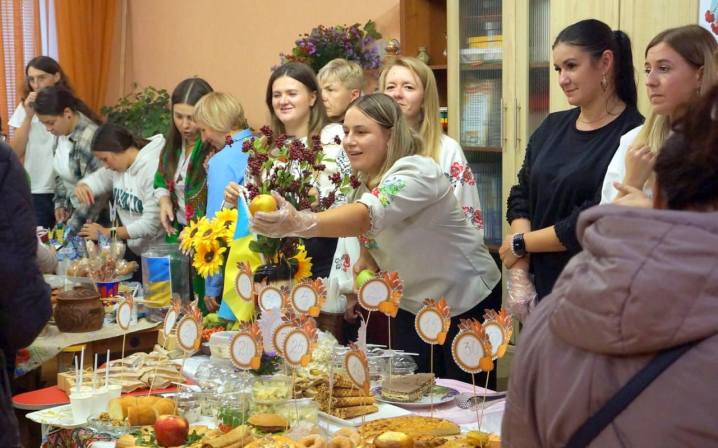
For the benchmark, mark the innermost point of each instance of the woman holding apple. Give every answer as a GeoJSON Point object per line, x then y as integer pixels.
{"type": "Point", "coordinates": [404, 215]}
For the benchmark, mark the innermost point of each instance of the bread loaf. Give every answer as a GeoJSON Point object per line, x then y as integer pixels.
{"type": "Point", "coordinates": [117, 407]}
{"type": "Point", "coordinates": [164, 406]}
{"type": "Point", "coordinates": [140, 411]}
{"type": "Point", "coordinates": [140, 415]}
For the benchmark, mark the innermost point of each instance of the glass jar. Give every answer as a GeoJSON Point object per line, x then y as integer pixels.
{"type": "Point", "coordinates": [271, 388]}
{"type": "Point", "coordinates": [268, 407]}
{"type": "Point", "coordinates": [188, 406]}
{"type": "Point", "coordinates": [165, 264]}
{"type": "Point", "coordinates": [304, 409]}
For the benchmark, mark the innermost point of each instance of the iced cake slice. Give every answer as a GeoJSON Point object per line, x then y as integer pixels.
{"type": "Point", "coordinates": [408, 388]}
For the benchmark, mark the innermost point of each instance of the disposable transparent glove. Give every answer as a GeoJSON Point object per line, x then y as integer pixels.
{"type": "Point", "coordinates": [286, 221]}
{"type": "Point", "coordinates": [522, 293]}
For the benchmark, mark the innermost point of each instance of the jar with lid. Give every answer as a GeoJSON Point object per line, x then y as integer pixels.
{"type": "Point", "coordinates": [402, 365]}
{"type": "Point", "coordinates": [165, 274]}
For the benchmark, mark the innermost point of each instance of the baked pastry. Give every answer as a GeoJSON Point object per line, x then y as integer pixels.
{"type": "Point", "coordinates": [349, 432]}
{"type": "Point", "coordinates": [352, 411]}
{"type": "Point", "coordinates": [269, 423]}
{"type": "Point", "coordinates": [393, 439]}
{"type": "Point", "coordinates": [427, 441]}
{"type": "Point", "coordinates": [407, 388]}
{"type": "Point", "coordinates": [118, 407]}
{"type": "Point", "coordinates": [164, 406]}
{"type": "Point", "coordinates": [141, 415]}
{"type": "Point", "coordinates": [271, 442]}
{"type": "Point", "coordinates": [237, 437]}
{"type": "Point", "coordinates": [340, 442]}
{"type": "Point", "coordinates": [411, 425]}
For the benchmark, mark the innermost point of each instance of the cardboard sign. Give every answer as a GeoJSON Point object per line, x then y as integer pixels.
{"type": "Point", "coordinates": [242, 349]}
{"type": "Point", "coordinates": [279, 336]}
{"type": "Point", "coordinates": [243, 285]}
{"type": "Point", "coordinates": [357, 368]}
{"type": "Point", "coordinates": [373, 292]}
{"type": "Point", "coordinates": [429, 324]}
{"type": "Point", "coordinates": [171, 317]}
{"type": "Point", "coordinates": [471, 348]}
{"type": "Point", "coordinates": [495, 332]}
{"type": "Point", "coordinates": [124, 314]}
{"type": "Point", "coordinates": [188, 334]}
{"type": "Point", "coordinates": [296, 348]}
{"type": "Point", "coordinates": [270, 297]}
{"type": "Point", "coordinates": [303, 297]}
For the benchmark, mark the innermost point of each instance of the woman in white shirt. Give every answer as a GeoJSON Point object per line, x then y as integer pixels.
{"type": "Point", "coordinates": [679, 68]}
{"type": "Point", "coordinates": [128, 172]}
{"type": "Point", "coordinates": [408, 220]}
{"type": "Point", "coordinates": [32, 141]}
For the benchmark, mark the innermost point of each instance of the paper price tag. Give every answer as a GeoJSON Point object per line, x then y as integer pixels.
{"type": "Point", "coordinates": [496, 335]}
{"type": "Point", "coordinates": [124, 314]}
{"type": "Point", "coordinates": [468, 351]}
{"type": "Point", "coordinates": [188, 334]}
{"type": "Point", "coordinates": [270, 297]}
{"type": "Point", "coordinates": [280, 334]}
{"type": "Point", "coordinates": [357, 371]}
{"type": "Point", "coordinates": [429, 324]}
{"type": "Point", "coordinates": [303, 297]}
{"type": "Point", "coordinates": [170, 320]}
{"type": "Point", "coordinates": [373, 292]}
{"type": "Point", "coordinates": [243, 286]}
{"type": "Point", "coordinates": [242, 349]}
{"type": "Point", "coordinates": [296, 348]}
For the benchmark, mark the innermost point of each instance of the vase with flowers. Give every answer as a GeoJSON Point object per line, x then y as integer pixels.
{"type": "Point", "coordinates": [324, 44]}
{"type": "Point", "coordinates": [288, 168]}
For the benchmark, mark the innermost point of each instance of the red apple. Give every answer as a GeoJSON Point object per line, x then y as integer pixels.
{"type": "Point", "coordinates": [171, 430]}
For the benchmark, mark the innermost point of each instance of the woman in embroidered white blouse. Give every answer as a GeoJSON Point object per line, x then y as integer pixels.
{"type": "Point", "coordinates": [406, 217]}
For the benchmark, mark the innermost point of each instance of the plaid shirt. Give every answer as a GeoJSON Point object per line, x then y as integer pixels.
{"type": "Point", "coordinates": [82, 163]}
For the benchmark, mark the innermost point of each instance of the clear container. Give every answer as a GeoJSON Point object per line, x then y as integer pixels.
{"type": "Point", "coordinates": [163, 264]}
{"type": "Point", "coordinates": [305, 409]}
{"type": "Point", "coordinates": [279, 407]}
{"type": "Point", "coordinates": [219, 343]}
{"type": "Point", "coordinates": [209, 403]}
{"type": "Point", "coordinates": [378, 369]}
{"type": "Point", "coordinates": [232, 407]}
{"type": "Point", "coordinates": [271, 388]}
{"type": "Point", "coordinates": [188, 405]}
{"type": "Point", "coordinates": [402, 365]}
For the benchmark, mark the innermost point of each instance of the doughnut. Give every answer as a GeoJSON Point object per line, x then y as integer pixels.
{"type": "Point", "coordinates": [340, 442]}
{"type": "Point", "coordinates": [350, 433]}
{"type": "Point", "coordinates": [313, 441]}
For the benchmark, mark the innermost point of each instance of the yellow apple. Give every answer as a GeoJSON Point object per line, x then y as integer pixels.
{"type": "Point", "coordinates": [263, 203]}
{"type": "Point", "coordinates": [363, 276]}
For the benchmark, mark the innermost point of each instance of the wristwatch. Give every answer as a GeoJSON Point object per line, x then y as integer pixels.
{"type": "Point", "coordinates": [518, 246]}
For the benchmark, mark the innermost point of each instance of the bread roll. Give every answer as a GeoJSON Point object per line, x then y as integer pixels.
{"type": "Point", "coordinates": [118, 407]}
{"type": "Point", "coordinates": [393, 439]}
{"type": "Point", "coordinates": [141, 415]}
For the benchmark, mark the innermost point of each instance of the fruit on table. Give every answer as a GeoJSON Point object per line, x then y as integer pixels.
{"type": "Point", "coordinates": [171, 430]}
{"type": "Point", "coordinates": [263, 203]}
{"type": "Point", "coordinates": [363, 276]}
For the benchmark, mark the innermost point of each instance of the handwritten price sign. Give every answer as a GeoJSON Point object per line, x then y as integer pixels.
{"type": "Point", "coordinates": [303, 298]}
{"type": "Point", "coordinates": [468, 351]}
{"type": "Point", "coordinates": [243, 286]}
{"type": "Point", "coordinates": [373, 292]}
{"type": "Point", "coordinates": [243, 349]}
{"type": "Point", "coordinates": [270, 297]}
{"type": "Point", "coordinates": [429, 324]}
{"type": "Point", "coordinates": [279, 336]}
{"type": "Point", "coordinates": [357, 371]}
{"type": "Point", "coordinates": [296, 348]}
{"type": "Point", "coordinates": [124, 314]}
{"type": "Point", "coordinates": [188, 334]}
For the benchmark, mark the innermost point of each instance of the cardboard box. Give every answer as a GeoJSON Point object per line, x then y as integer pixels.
{"type": "Point", "coordinates": [66, 380]}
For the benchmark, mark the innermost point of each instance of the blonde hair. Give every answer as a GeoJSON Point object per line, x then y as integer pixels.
{"type": "Point", "coordinates": [220, 111]}
{"type": "Point", "coordinates": [696, 46]}
{"type": "Point", "coordinates": [403, 141]}
{"type": "Point", "coordinates": [430, 128]}
{"type": "Point", "coordinates": [347, 72]}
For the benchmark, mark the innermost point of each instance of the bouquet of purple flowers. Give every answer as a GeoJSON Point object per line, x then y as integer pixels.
{"type": "Point", "coordinates": [324, 44]}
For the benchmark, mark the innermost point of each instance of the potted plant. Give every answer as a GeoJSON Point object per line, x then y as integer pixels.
{"type": "Point", "coordinates": [145, 112]}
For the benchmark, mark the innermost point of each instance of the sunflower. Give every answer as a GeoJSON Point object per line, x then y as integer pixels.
{"type": "Point", "coordinates": [208, 258]}
{"type": "Point", "coordinates": [190, 233]}
{"type": "Point", "coordinates": [304, 268]}
{"type": "Point", "coordinates": [228, 219]}
{"type": "Point", "coordinates": [210, 233]}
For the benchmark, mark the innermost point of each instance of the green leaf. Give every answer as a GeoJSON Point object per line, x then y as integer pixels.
{"type": "Point", "coordinates": [345, 190]}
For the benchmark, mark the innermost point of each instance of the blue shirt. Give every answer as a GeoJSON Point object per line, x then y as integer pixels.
{"type": "Point", "coordinates": [228, 165]}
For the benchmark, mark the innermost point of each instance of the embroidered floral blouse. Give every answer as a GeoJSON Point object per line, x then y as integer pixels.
{"type": "Point", "coordinates": [457, 170]}
{"type": "Point", "coordinates": [416, 221]}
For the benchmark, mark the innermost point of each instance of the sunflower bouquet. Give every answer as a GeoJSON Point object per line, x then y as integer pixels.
{"type": "Point", "coordinates": [289, 168]}
{"type": "Point", "coordinates": [208, 240]}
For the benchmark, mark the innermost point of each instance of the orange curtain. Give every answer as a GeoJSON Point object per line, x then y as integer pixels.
{"type": "Point", "coordinates": [12, 68]}
{"type": "Point", "coordinates": [84, 44]}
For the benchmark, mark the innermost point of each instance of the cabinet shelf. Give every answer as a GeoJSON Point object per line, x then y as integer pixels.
{"type": "Point", "coordinates": [494, 65]}
{"type": "Point", "coordinates": [483, 148]}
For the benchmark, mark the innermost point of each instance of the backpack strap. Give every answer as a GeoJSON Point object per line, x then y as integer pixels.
{"type": "Point", "coordinates": [620, 401]}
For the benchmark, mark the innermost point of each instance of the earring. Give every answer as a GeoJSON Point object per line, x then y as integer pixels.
{"type": "Point", "coordinates": [604, 83]}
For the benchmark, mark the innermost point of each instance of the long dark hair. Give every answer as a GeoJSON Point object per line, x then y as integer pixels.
{"type": "Point", "coordinates": [304, 74]}
{"type": "Point", "coordinates": [53, 100]}
{"type": "Point", "coordinates": [47, 65]}
{"type": "Point", "coordinates": [188, 92]}
{"type": "Point", "coordinates": [687, 165]}
{"type": "Point", "coordinates": [594, 37]}
{"type": "Point", "coordinates": [113, 137]}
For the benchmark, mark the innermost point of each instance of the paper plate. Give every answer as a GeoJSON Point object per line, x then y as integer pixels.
{"type": "Point", "coordinates": [442, 394]}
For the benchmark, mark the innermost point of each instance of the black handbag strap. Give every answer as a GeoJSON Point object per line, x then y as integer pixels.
{"type": "Point", "coordinates": [620, 401]}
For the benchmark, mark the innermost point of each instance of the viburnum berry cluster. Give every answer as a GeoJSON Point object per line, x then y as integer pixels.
{"type": "Point", "coordinates": [289, 167]}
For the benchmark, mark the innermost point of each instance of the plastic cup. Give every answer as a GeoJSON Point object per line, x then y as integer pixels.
{"type": "Point", "coordinates": [108, 289]}
{"type": "Point", "coordinates": [81, 406]}
{"type": "Point", "coordinates": [100, 399]}
{"type": "Point", "coordinates": [114, 391]}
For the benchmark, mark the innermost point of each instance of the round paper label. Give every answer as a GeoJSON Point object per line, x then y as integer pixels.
{"type": "Point", "coordinates": [296, 348]}
{"type": "Point", "coordinates": [303, 297]}
{"type": "Point", "coordinates": [243, 286]}
{"type": "Point", "coordinates": [270, 297]}
{"type": "Point", "coordinates": [279, 335]}
{"type": "Point", "coordinates": [242, 348]}
{"type": "Point", "coordinates": [373, 292]}
{"type": "Point", "coordinates": [188, 334]}
{"type": "Point", "coordinates": [468, 351]}
{"type": "Point", "coordinates": [429, 324]}
{"type": "Point", "coordinates": [357, 371]}
{"type": "Point", "coordinates": [496, 336]}
{"type": "Point", "coordinates": [124, 315]}
{"type": "Point", "coordinates": [170, 320]}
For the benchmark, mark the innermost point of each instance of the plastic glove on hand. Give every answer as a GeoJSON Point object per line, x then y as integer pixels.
{"type": "Point", "coordinates": [286, 221]}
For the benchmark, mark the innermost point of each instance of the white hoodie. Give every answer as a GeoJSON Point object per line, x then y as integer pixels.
{"type": "Point", "coordinates": [133, 193]}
